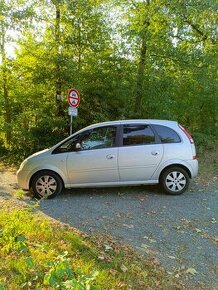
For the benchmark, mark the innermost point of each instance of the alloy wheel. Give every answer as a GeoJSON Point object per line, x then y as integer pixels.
{"type": "Point", "coordinates": [46, 185]}
{"type": "Point", "coordinates": [175, 181]}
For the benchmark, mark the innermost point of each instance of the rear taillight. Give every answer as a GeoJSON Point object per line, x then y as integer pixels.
{"type": "Point", "coordinates": [195, 157]}
{"type": "Point", "coordinates": [187, 134]}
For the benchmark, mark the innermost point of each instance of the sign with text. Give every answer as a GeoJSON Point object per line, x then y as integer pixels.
{"type": "Point", "coordinates": [72, 111]}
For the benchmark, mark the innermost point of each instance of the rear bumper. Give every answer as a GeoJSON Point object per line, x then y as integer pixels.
{"type": "Point", "coordinates": [193, 166]}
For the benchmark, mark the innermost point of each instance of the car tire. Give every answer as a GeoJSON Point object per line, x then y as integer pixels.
{"type": "Point", "coordinates": [174, 180]}
{"type": "Point", "coordinates": [46, 184]}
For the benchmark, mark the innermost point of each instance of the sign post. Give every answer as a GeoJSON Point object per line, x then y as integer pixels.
{"type": "Point", "coordinates": [73, 100]}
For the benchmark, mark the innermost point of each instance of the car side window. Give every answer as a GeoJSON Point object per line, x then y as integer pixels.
{"type": "Point", "coordinates": [137, 135]}
{"type": "Point", "coordinates": [166, 134]}
{"type": "Point", "coordinates": [102, 137]}
{"type": "Point", "coordinates": [68, 145]}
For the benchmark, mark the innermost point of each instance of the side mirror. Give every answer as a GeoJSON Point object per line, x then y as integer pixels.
{"type": "Point", "coordinates": [78, 146]}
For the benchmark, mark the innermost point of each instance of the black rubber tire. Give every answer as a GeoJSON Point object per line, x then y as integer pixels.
{"type": "Point", "coordinates": [174, 180]}
{"type": "Point", "coordinates": [46, 184]}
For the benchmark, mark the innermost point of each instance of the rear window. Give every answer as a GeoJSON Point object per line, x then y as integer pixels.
{"type": "Point", "coordinates": [166, 134]}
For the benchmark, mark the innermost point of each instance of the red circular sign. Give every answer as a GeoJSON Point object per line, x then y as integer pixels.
{"type": "Point", "coordinates": [73, 98]}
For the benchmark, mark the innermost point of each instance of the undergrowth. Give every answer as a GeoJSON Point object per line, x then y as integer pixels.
{"type": "Point", "coordinates": [36, 253]}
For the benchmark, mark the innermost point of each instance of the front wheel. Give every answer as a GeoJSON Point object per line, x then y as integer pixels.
{"type": "Point", "coordinates": [46, 184]}
{"type": "Point", "coordinates": [174, 180]}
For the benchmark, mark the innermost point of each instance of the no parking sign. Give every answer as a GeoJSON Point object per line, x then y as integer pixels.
{"type": "Point", "coordinates": [73, 98]}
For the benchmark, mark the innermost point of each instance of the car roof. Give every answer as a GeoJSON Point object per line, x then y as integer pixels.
{"type": "Point", "coordinates": [134, 121]}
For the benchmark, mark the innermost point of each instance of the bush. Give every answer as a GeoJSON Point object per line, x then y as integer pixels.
{"type": "Point", "coordinates": [204, 141]}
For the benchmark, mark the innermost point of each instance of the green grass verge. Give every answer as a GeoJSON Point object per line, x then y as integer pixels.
{"type": "Point", "coordinates": [208, 167]}
{"type": "Point", "coordinates": [38, 253]}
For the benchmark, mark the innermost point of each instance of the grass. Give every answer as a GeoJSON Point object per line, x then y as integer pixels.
{"type": "Point", "coordinates": [38, 253]}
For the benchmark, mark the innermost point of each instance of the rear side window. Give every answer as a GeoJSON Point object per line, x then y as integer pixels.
{"type": "Point", "coordinates": [137, 135]}
{"type": "Point", "coordinates": [166, 134]}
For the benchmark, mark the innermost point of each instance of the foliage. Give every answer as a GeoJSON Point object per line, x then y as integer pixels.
{"type": "Point", "coordinates": [30, 269]}
{"type": "Point", "coordinates": [38, 254]}
{"type": "Point", "coordinates": [128, 59]}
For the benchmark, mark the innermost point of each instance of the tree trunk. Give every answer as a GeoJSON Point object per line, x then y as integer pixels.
{"type": "Point", "coordinates": [141, 66]}
{"type": "Point", "coordinates": [58, 81]}
{"type": "Point", "coordinates": [7, 107]}
{"type": "Point", "coordinates": [140, 77]}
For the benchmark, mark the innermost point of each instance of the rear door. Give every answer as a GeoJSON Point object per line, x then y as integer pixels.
{"type": "Point", "coordinates": [140, 153]}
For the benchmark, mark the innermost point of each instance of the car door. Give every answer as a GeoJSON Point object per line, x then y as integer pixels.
{"type": "Point", "coordinates": [139, 154]}
{"type": "Point", "coordinates": [96, 160]}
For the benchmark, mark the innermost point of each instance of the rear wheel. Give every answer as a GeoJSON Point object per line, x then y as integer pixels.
{"type": "Point", "coordinates": [46, 184]}
{"type": "Point", "coordinates": [174, 180]}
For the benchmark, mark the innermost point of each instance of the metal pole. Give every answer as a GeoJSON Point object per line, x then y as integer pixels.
{"type": "Point", "coordinates": [71, 123]}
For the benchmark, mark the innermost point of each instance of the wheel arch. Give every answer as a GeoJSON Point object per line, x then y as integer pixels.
{"type": "Point", "coordinates": [175, 165]}
{"type": "Point", "coordinates": [47, 170]}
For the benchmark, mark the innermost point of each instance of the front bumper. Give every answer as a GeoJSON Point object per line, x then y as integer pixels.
{"type": "Point", "coordinates": [22, 179]}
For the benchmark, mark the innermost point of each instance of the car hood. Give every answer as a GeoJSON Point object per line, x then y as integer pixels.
{"type": "Point", "coordinates": [39, 153]}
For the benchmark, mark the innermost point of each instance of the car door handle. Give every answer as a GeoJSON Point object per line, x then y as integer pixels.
{"type": "Point", "coordinates": [155, 153]}
{"type": "Point", "coordinates": [110, 156]}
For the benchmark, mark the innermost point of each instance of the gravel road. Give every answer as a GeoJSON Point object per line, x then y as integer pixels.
{"type": "Point", "coordinates": [180, 231]}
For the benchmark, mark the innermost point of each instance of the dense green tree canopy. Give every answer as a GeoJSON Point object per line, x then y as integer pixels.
{"type": "Point", "coordinates": [128, 59]}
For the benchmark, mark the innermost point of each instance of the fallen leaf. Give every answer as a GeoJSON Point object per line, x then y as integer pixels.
{"type": "Point", "coordinates": [172, 257]}
{"type": "Point", "coordinates": [107, 248]}
{"type": "Point", "coordinates": [177, 227]}
{"type": "Point", "coordinates": [113, 272]}
{"type": "Point", "coordinates": [152, 241]}
{"type": "Point", "coordinates": [191, 271]}
{"type": "Point", "coordinates": [141, 197]}
{"type": "Point", "coordinates": [121, 193]}
{"type": "Point", "coordinates": [145, 246]}
{"type": "Point", "coordinates": [216, 240]}
{"type": "Point", "coordinates": [118, 215]}
{"type": "Point", "coordinates": [124, 268]}
{"type": "Point", "coordinates": [149, 239]}
{"type": "Point", "coordinates": [128, 226]}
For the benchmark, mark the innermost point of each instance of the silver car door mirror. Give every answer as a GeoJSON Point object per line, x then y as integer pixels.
{"type": "Point", "coordinates": [78, 147]}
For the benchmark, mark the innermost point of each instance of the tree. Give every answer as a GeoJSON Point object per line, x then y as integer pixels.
{"type": "Point", "coordinates": [14, 15]}
{"type": "Point", "coordinates": [4, 23]}
{"type": "Point", "coordinates": [128, 59]}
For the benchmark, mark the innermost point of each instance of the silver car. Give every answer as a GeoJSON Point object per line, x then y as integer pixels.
{"type": "Point", "coordinates": [117, 153]}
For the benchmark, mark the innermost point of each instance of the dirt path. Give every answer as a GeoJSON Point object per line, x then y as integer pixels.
{"type": "Point", "coordinates": [8, 183]}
